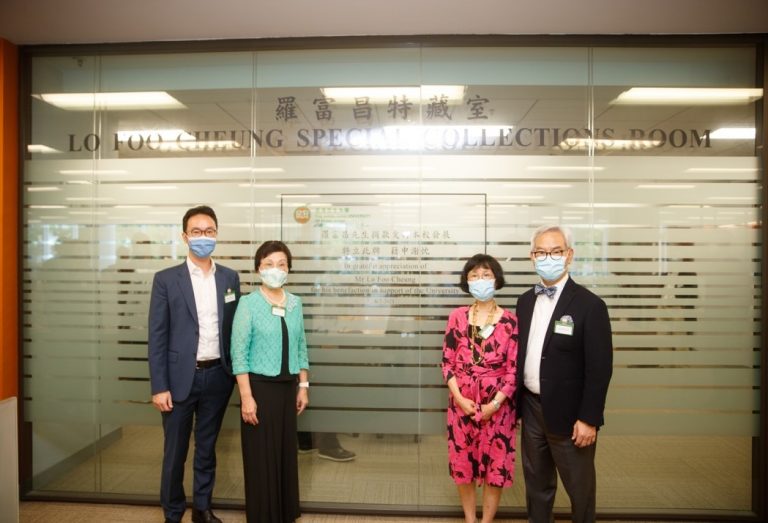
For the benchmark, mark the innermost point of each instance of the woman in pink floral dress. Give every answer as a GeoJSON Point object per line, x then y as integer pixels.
{"type": "Point", "coordinates": [479, 355]}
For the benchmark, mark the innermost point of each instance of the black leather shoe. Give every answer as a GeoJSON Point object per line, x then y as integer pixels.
{"type": "Point", "coordinates": [204, 516]}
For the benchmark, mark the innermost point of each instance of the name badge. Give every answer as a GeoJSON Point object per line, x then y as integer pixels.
{"type": "Point", "coordinates": [564, 326]}
{"type": "Point", "coordinates": [278, 311]}
{"type": "Point", "coordinates": [229, 296]}
{"type": "Point", "coordinates": [486, 331]}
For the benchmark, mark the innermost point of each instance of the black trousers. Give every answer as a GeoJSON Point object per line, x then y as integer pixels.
{"type": "Point", "coordinates": [544, 456]}
{"type": "Point", "coordinates": [270, 464]}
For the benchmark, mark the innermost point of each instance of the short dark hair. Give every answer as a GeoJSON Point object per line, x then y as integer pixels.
{"type": "Point", "coordinates": [194, 211]}
{"type": "Point", "coordinates": [269, 247]}
{"type": "Point", "coordinates": [482, 260]}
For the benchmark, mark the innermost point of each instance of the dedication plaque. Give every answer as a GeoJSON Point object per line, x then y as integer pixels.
{"type": "Point", "coordinates": [378, 275]}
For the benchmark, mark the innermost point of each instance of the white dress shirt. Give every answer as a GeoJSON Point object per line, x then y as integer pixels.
{"type": "Point", "coordinates": [204, 287]}
{"type": "Point", "coordinates": [542, 313]}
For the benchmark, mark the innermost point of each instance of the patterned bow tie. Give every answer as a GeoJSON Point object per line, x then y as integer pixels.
{"type": "Point", "coordinates": [549, 291]}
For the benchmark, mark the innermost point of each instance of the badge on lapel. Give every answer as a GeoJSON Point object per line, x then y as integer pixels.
{"type": "Point", "coordinates": [564, 326]}
{"type": "Point", "coordinates": [229, 296]}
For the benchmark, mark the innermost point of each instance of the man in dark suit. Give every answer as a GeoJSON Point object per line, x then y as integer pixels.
{"type": "Point", "coordinates": [190, 326]}
{"type": "Point", "coordinates": [565, 358]}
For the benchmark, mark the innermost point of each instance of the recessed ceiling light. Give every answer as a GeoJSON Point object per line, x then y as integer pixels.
{"type": "Point", "coordinates": [687, 96]}
{"type": "Point", "coordinates": [40, 148]}
{"type": "Point", "coordinates": [111, 101]}
{"type": "Point", "coordinates": [42, 189]}
{"type": "Point", "coordinates": [733, 133]}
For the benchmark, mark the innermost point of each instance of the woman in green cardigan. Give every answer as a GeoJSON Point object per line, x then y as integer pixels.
{"type": "Point", "coordinates": [269, 359]}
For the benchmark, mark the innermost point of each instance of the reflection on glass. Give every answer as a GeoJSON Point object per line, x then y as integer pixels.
{"type": "Point", "coordinates": [381, 201]}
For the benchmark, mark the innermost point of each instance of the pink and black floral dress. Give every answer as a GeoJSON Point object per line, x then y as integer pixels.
{"type": "Point", "coordinates": [481, 451]}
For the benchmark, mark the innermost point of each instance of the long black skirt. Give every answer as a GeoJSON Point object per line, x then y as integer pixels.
{"type": "Point", "coordinates": [270, 464]}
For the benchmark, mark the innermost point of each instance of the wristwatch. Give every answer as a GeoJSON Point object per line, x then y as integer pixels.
{"type": "Point", "coordinates": [304, 384]}
{"type": "Point", "coordinates": [496, 404]}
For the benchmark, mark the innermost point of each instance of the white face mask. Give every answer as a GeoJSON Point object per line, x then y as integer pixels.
{"type": "Point", "coordinates": [273, 278]}
{"type": "Point", "coordinates": [549, 269]}
{"type": "Point", "coordinates": [482, 290]}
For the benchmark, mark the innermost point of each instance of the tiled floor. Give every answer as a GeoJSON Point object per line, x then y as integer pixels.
{"type": "Point", "coordinates": [642, 474]}
{"type": "Point", "coordinates": [634, 473]}
{"type": "Point", "coordinates": [47, 512]}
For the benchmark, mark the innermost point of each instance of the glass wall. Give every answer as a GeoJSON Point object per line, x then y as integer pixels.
{"type": "Point", "coordinates": [384, 169]}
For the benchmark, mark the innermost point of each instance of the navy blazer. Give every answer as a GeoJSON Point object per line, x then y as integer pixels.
{"type": "Point", "coordinates": [173, 327]}
{"type": "Point", "coordinates": [575, 370]}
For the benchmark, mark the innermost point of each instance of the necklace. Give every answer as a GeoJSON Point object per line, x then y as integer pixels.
{"type": "Point", "coordinates": [477, 355]}
{"type": "Point", "coordinates": [278, 303]}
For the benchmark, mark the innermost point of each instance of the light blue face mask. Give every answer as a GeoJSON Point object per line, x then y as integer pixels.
{"type": "Point", "coordinates": [549, 269]}
{"type": "Point", "coordinates": [202, 247]}
{"type": "Point", "coordinates": [482, 290]}
{"type": "Point", "coordinates": [273, 278]}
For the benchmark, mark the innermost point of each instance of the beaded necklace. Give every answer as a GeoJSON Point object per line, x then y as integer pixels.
{"type": "Point", "coordinates": [477, 355]}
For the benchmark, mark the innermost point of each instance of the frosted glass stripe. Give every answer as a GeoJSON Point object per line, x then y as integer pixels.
{"type": "Point", "coordinates": [705, 399]}
{"type": "Point", "coordinates": [676, 423]}
{"type": "Point", "coordinates": [663, 377]}
{"type": "Point", "coordinates": [698, 358]}
{"type": "Point", "coordinates": [391, 376]}
{"type": "Point", "coordinates": [380, 423]}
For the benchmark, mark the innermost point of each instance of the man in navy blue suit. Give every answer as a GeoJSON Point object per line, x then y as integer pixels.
{"type": "Point", "coordinates": [190, 326]}
{"type": "Point", "coordinates": [563, 370]}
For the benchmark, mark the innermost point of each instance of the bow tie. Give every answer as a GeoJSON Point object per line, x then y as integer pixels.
{"type": "Point", "coordinates": [549, 291]}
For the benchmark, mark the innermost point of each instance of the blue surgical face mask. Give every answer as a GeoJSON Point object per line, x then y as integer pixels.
{"type": "Point", "coordinates": [549, 269]}
{"type": "Point", "coordinates": [482, 290]}
{"type": "Point", "coordinates": [202, 247]}
{"type": "Point", "coordinates": [273, 278]}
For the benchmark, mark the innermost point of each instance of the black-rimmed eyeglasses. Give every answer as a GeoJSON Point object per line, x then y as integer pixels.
{"type": "Point", "coordinates": [555, 254]}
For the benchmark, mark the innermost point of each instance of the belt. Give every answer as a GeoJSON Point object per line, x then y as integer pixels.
{"type": "Point", "coordinates": [207, 364]}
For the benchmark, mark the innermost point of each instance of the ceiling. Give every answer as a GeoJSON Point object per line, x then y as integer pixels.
{"type": "Point", "coordinates": [26, 22]}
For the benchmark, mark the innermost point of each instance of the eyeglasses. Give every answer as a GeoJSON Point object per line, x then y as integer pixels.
{"type": "Point", "coordinates": [555, 254]}
{"type": "Point", "coordinates": [197, 233]}
{"type": "Point", "coordinates": [475, 277]}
